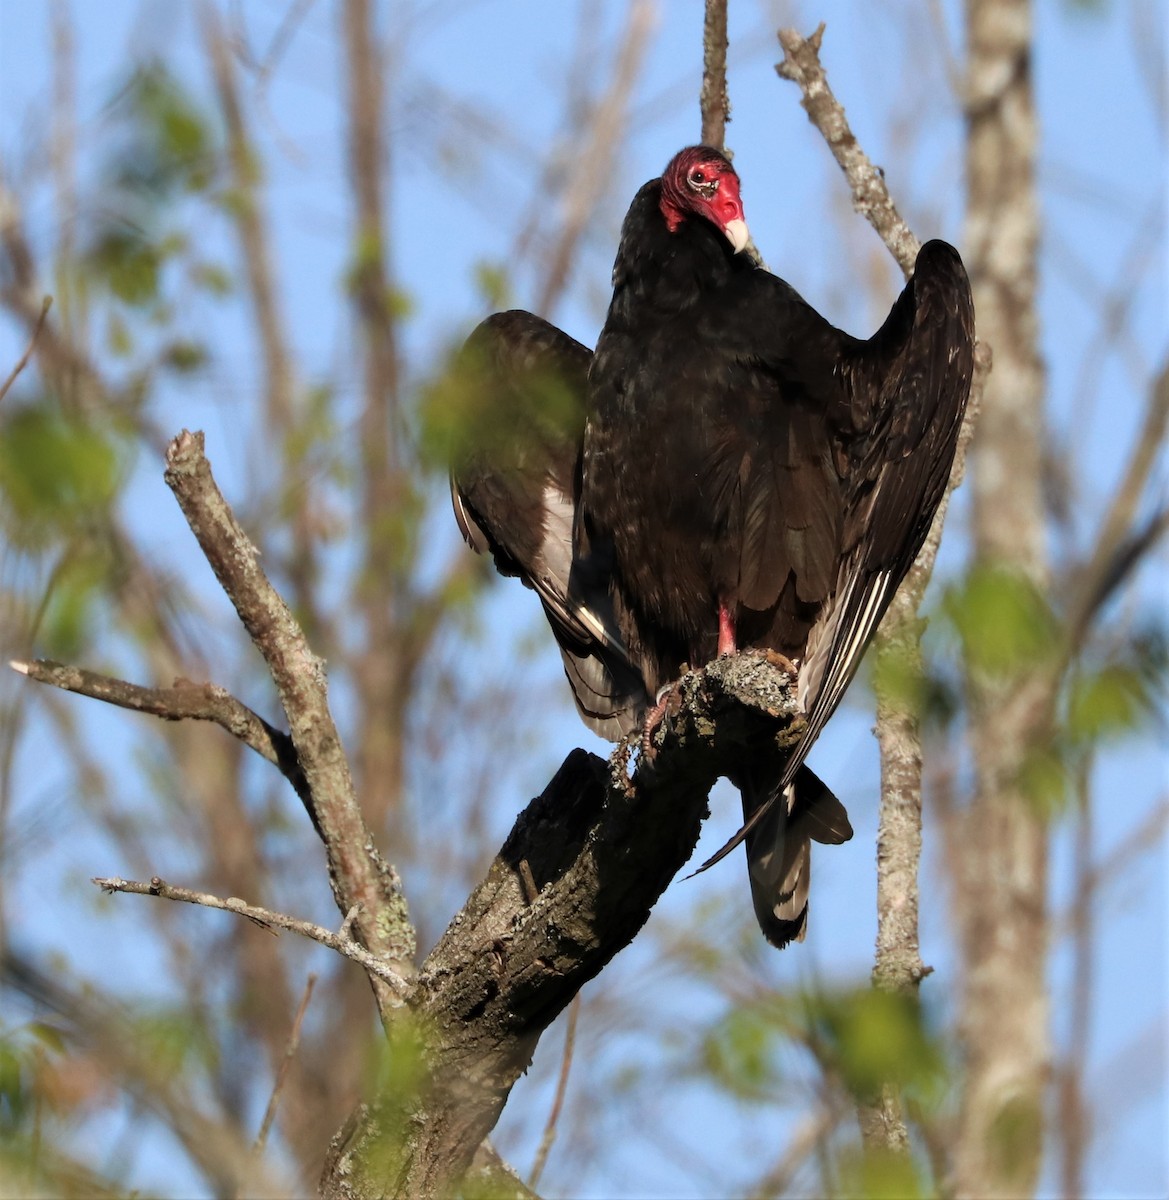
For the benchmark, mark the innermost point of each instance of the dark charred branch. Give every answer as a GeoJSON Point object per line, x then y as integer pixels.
{"type": "Point", "coordinates": [600, 847]}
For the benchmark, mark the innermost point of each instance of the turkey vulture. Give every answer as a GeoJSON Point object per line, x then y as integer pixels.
{"type": "Point", "coordinates": [758, 477]}
{"type": "Point", "coordinates": [515, 488]}
{"type": "Point", "coordinates": [743, 475]}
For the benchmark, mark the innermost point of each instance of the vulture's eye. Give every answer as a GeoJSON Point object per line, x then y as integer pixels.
{"type": "Point", "coordinates": [701, 182]}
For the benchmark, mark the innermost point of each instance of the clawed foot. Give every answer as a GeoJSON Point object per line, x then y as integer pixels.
{"type": "Point", "coordinates": [782, 662]}
{"type": "Point", "coordinates": [654, 718]}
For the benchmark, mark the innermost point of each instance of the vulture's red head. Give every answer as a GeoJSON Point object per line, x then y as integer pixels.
{"type": "Point", "coordinates": [700, 182]}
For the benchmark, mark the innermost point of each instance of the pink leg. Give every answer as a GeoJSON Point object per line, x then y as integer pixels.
{"type": "Point", "coordinates": [726, 631]}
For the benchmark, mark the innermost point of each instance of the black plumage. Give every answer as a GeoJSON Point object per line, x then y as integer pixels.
{"type": "Point", "coordinates": [515, 484]}
{"type": "Point", "coordinates": [747, 476]}
{"type": "Point", "coordinates": [759, 477]}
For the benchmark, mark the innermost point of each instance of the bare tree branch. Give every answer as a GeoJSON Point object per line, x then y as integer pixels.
{"type": "Point", "coordinates": [22, 362]}
{"type": "Point", "coordinates": [184, 701]}
{"type": "Point", "coordinates": [252, 229]}
{"type": "Point", "coordinates": [296, 13]}
{"type": "Point", "coordinates": [266, 918]}
{"type": "Point", "coordinates": [897, 964]}
{"type": "Point", "coordinates": [713, 101]}
{"type": "Point", "coordinates": [870, 196]}
{"type": "Point", "coordinates": [357, 873]}
{"type": "Point", "coordinates": [1097, 578]}
{"type": "Point", "coordinates": [593, 161]}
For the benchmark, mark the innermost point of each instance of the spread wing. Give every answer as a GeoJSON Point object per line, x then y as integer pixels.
{"type": "Point", "coordinates": [514, 488]}
{"type": "Point", "coordinates": [908, 385]}
{"type": "Point", "coordinates": [897, 419]}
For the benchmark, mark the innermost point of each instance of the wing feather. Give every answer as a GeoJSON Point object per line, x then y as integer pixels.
{"type": "Point", "coordinates": [514, 489]}
{"type": "Point", "coordinates": [910, 383]}
{"type": "Point", "coordinates": [896, 438]}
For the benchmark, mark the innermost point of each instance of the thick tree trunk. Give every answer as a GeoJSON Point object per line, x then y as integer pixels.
{"type": "Point", "coordinates": [1001, 894]}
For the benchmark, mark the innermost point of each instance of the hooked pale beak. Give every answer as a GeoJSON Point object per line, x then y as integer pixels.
{"type": "Point", "coordinates": [737, 233]}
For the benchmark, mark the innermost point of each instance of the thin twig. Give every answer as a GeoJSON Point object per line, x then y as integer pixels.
{"type": "Point", "coordinates": [558, 1101]}
{"type": "Point", "coordinates": [346, 930]}
{"type": "Point", "coordinates": [252, 229]}
{"type": "Point", "coordinates": [1145, 837]}
{"type": "Point", "coordinates": [1098, 571]}
{"type": "Point", "coordinates": [293, 17]}
{"type": "Point", "coordinates": [46, 304]}
{"type": "Point", "coordinates": [185, 701]}
{"type": "Point", "coordinates": [282, 1073]}
{"type": "Point", "coordinates": [812, 1132]}
{"type": "Point", "coordinates": [263, 917]}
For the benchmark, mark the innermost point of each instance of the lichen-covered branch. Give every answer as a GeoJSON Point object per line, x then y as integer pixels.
{"type": "Point", "coordinates": [870, 197]}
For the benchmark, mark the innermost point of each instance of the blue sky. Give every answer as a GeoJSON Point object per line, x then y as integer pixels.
{"type": "Point", "coordinates": [1101, 169]}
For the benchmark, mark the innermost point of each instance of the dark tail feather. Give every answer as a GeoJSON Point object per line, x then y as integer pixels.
{"type": "Point", "coordinates": [779, 852]}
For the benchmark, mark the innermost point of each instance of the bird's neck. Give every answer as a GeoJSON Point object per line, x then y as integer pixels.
{"type": "Point", "coordinates": [663, 272]}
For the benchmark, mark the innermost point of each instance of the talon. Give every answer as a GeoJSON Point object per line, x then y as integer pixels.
{"type": "Point", "coordinates": [654, 718]}
{"type": "Point", "coordinates": [782, 662]}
